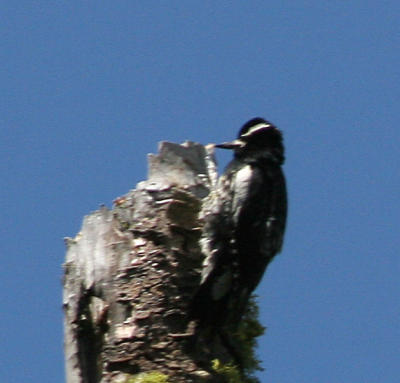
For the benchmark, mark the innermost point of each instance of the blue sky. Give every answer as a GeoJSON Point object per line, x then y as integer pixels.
{"type": "Point", "coordinates": [88, 88]}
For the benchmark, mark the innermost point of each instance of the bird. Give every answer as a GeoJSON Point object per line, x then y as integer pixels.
{"type": "Point", "coordinates": [244, 224]}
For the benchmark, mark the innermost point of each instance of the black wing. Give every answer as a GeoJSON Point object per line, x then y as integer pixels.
{"type": "Point", "coordinates": [260, 222]}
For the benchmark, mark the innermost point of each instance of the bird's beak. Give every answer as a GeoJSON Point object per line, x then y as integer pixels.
{"type": "Point", "coordinates": [231, 145]}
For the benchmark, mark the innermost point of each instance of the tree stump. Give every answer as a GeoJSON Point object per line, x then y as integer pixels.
{"type": "Point", "coordinates": [130, 275]}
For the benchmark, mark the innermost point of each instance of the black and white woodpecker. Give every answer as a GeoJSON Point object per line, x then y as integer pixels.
{"type": "Point", "coordinates": [244, 224]}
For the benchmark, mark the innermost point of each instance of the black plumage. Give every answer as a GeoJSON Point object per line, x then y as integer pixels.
{"type": "Point", "coordinates": [244, 224]}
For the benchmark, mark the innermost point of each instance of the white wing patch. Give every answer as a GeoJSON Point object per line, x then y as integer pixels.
{"type": "Point", "coordinates": [241, 186]}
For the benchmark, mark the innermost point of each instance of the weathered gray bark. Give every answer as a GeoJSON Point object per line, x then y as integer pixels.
{"type": "Point", "coordinates": [130, 274]}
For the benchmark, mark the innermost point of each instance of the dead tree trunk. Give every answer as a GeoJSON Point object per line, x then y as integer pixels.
{"type": "Point", "coordinates": [130, 275]}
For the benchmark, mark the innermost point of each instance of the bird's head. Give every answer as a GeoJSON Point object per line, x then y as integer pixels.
{"type": "Point", "coordinates": [258, 138]}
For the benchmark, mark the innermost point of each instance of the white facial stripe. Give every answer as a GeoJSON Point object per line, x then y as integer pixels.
{"type": "Point", "coordinates": [256, 128]}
